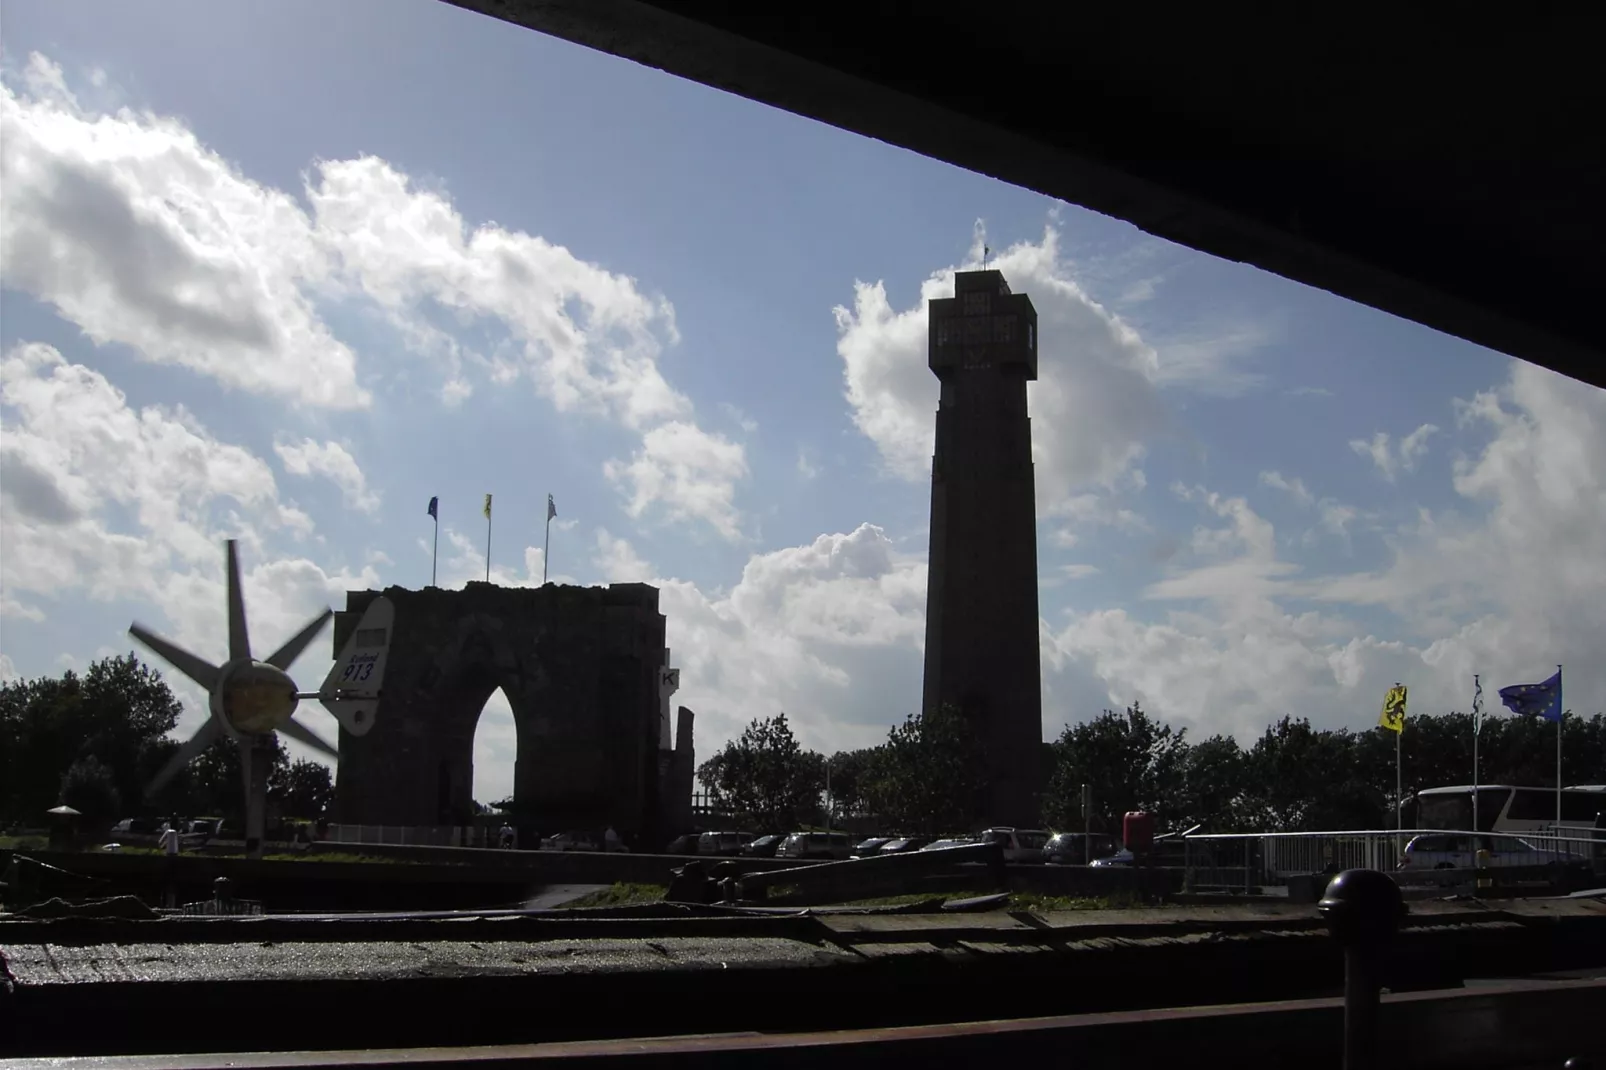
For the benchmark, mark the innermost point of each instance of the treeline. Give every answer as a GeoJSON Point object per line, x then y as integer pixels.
{"type": "Point", "coordinates": [928, 775]}
{"type": "Point", "coordinates": [93, 741]}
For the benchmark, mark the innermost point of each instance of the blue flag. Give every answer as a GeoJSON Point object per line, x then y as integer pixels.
{"type": "Point", "coordinates": [1528, 700]}
{"type": "Point", "coordinates": [434, 503]}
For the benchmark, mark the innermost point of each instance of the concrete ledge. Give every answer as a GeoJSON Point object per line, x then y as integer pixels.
{"type": "Point", "coordinates": [422, 979]}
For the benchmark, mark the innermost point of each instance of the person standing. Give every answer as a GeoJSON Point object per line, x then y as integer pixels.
{"type": "Point", "coordinates": [169, 845]}
{"type": "Point", "coordinates": [610, 839]}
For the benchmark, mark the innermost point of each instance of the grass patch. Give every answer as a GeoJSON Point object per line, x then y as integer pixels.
{"type": "Point", "coordinates": [24, 843]}
{"type": "Point", "coordinates": [621, 894]}
{"type": "Point", "coordinates": [1043, 904]}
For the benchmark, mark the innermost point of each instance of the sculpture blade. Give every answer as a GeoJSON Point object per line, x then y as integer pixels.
{"type": "Point", "coordinates": [239, 637]}
{"type": "Point", "coordinates": [202, 672]}
{"type": "Point", "coordinates": [286, 655]}
{"type": "Point", "coordinates": [202, 739]}
{"type": "Point", "coordinates": [302, 734]}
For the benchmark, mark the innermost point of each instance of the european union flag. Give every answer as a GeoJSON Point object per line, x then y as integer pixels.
{"type": "Point", "coordinates": [1528, 700]}
{"type": "Point", "coordinates": [434, 504]}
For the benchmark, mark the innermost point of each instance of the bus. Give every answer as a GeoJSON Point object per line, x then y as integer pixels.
{"type": "Point", "coordinates": [1506, 807]}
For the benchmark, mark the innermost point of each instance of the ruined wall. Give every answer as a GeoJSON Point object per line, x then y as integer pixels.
{"type": "Point", "coordinates": [580, 667]}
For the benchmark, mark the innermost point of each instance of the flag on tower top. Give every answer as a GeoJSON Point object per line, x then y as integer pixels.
{"type": "Point", "coordinates": [434, 506]}
{"type": "Point", "coordinates": [487, 507]}
{"type": "Point", "coordinates": [551, 510]}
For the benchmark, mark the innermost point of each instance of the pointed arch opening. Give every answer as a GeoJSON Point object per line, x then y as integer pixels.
{"type": "Point", "coordinates": [496, 749]}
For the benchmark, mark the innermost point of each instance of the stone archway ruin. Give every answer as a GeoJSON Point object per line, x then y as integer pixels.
{"type": "Point", "coordinates": [586, 673]}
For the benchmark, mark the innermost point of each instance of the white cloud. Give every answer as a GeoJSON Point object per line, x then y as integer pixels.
{"type": "Point", "coordinates": [617, 561]}
{"type": "Point", "coordinates": [805, 467]}
{"type": "Point", "coordinates": [1211, 364]}
{"type": "Point", "coordinates": [463, 559]}
{"type": "Point", "coordinates": [1334, 517]}
{"type": "Point", "coordinates": [1072, 572]}
{"type": "Point", "coordinates": [1294, 487]}
{"type": "Point", "coordinates": [1391, 462]}
{"type": "Point", "coordinates": [10, 607]}
{"type": "Point", "coordinates": [739, 418]}
{"type": "Point", "coordinates": [134, 230]}
{"type": "Point", "coordinates": [1509, 586]}
{"type": "Point", "coordinates": [687, 473]}
{"type": "Point", "coordinates": [137, 232]}
{"type": "Point", "coordinates": [104, 500]}
{"type": "Point", "coordinates": [830, 633]}
{"type": "Point", "coordinates": [333, 461]}
{"type": "Point", "coordinates": [587, 337]}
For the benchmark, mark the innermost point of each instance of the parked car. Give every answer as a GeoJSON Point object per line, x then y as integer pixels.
{"type": "Point", "coordinates": [1441, 851]}
{"type": "Point", "coordinates": [1020, 845]}
{"type": "Point", "coordinates": [571, 841]}
{"type": "Point", "coordinates": [904, 843]}
{"type": "Point", "coordinates": [683, 845]}
{"type": "Point", "coordinates": [950, 841]}
{"type": "Point", "coordinates": [764, 846]}
{"type": "Point", "coordinates": [137, 829]}
{"type": "Point", "coordinates": [820, 845]}
{"type": "Point", "coordinates": [1074, 848]}
{"type": "Point", "coordinates": [1123, 857]}
{"type": "Point", "coordinates": [872, 846]}
{"type": "Point", "coordinates": [723, 843]}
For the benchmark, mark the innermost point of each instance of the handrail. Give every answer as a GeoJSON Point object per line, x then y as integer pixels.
{"type": "Point", "coordinates": [1546, 834]}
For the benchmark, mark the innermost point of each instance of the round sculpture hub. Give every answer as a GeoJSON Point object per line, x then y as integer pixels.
{"type": "Point", "coordinates": [258, 698]}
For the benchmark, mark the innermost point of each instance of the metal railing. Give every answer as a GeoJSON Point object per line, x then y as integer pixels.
{"type": "Point", "coordinates": [412, 835]}
{"type": "Point", "coordinates": [1246, 861]}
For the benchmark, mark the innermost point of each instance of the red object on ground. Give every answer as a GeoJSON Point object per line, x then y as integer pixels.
{"type": "Point", "coordinates": [1137, 830]}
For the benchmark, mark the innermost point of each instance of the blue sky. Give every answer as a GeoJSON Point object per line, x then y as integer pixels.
{"type": "Point", "coordinates": [285, 271]}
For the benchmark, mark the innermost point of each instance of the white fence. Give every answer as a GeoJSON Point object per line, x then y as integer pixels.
{"type": "Point", "coordinates": [1250, 860]}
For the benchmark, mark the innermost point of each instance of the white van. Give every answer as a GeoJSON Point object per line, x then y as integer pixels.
{"type": "Point", "coordinates": [1020, 845]}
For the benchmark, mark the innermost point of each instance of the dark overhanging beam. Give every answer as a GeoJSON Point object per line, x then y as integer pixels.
{"type": "Point", "coordinates": [1440, 172]}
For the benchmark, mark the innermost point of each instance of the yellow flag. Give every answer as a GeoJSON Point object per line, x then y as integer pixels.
{"type": "Point", "coordinates": [1393, 717]}
{"type": "Point", "coordinates": [487, 507]}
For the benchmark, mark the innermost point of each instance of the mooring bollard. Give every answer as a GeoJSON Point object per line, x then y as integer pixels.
{"type": "Point", "coordinates": [1363, 909]}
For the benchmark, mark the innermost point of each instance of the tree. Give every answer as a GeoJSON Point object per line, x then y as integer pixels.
{"type": "Point", "coordinates": [1304, 779]}
{"type": "Point", "coordinates": [1215, 785]}
{"type": "Point", "coordinates": [851, 772]}
{"type": "Point", "coordinates": [90, 788]}
{"type": "Point", "coordinates": [766, 777]}
{"type": "Point", "coordinates": [930, 775]}
{"type": "Point", "coordinates": [118, 711]}
{"type": "Point", "coordinates": [215, 780]}
{"type": "Point", "coordinates": [1131, 761]}
{"type": "Point", "coordinates": [306, 789]}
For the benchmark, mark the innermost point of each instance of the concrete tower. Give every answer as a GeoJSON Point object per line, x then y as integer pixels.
{"type": "Point", "coordinates": [981, 590]}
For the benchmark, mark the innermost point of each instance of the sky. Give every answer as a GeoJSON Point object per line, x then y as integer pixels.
{"type": "Point", "coordinates": [282, 272]}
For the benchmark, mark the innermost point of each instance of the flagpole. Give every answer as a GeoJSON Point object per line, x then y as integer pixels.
{"type": "Point", "coordinates": [1561, 715]}
{"type": "Point", "coordinates": [435, 554]}
{"type": "Point", "coordinates": [1477, 725]}
{"type": "Point", "coordinates": [1399, 779]}
{"type": "Point", "coordinates": [487, 538]}
{"type": "Point", "coordinates": [546, 547]}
